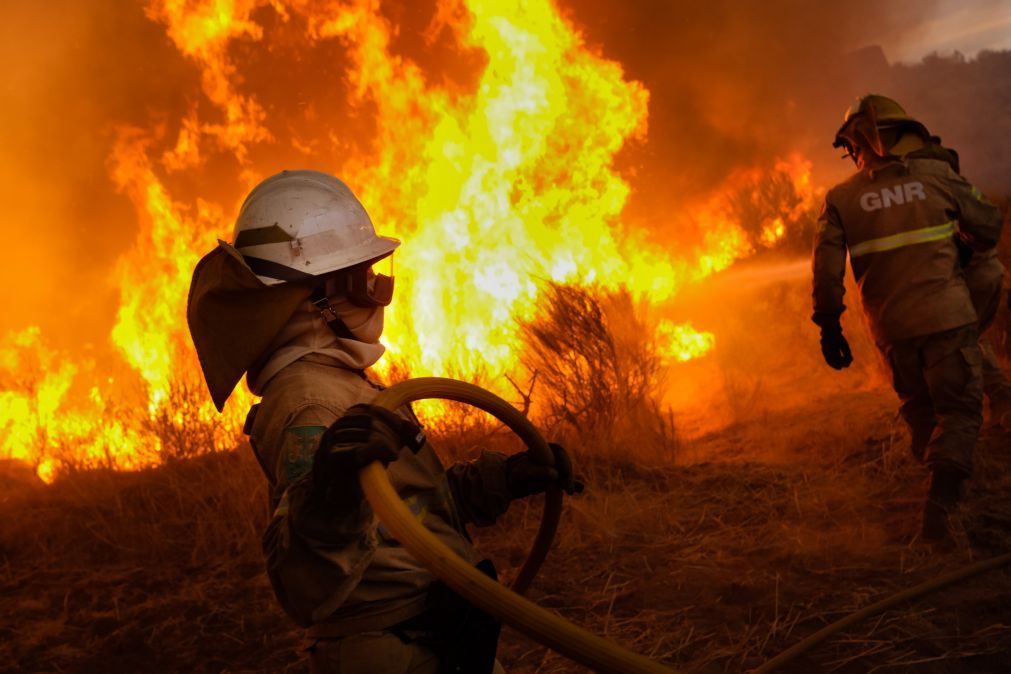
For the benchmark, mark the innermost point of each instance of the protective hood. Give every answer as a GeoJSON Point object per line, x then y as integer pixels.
{"type": "Point", "coordinates": [234, 317]}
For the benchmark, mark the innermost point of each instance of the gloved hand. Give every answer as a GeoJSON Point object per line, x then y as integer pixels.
{"type": "Point", "coordinates": [365, 433]}
{"type": "Point", "coordinates": [834, 346]}
{"type": "Point", "coordinates": [525, 477]}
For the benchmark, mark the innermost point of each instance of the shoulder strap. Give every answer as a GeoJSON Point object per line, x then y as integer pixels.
{"type": "Point", "coordinates": [327, 312]}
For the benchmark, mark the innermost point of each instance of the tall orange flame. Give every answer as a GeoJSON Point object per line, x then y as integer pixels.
{"type": "Point", "coordinates": [494, 190]}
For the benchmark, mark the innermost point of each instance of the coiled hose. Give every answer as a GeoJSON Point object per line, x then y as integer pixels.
{"type": "Point", "coordinates": [512, 609]}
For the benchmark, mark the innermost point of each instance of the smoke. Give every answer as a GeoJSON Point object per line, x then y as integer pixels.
{"type": "Point", "coordinates": [954, 25]}
{"type": "Point", "coordinates": [737, 84]}
{"type": "Point", "coordinates": [72, 71]}
{"type": "Point", "coordinates": [968, 103]}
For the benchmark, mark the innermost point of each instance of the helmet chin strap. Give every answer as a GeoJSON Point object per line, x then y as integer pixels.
{"type": "Point", "coordinates": [328, 314]}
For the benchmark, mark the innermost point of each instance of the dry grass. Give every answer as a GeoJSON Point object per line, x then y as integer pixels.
{"type": "Point", "coordinates": [158, 570]}
{"type": "Point", "coordinates": [719, 565]}
{"type": "Point", "coordinates": [713, 566]}
{"type": "Point", "coordinates": [183, 424]}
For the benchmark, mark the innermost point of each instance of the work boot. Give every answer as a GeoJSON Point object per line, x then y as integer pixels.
{"type": "Point", "coordinates": [942, 498]}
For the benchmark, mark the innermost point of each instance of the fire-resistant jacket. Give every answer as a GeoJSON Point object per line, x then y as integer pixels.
{"type": "Point", "coordinates": [898, 223]}
{"type": "Point", "coordinates": [342, 572]}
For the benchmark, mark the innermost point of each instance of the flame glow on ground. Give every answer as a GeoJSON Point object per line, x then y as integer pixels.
{"type": "Point", "coordinates": [493, 190]}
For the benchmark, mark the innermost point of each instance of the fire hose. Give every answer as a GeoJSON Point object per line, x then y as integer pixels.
{"type": "Point", "coordinates": [507, 605]}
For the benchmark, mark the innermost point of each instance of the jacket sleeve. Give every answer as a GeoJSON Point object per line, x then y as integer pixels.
{"type": "Point", "coordinates": [829, 266]}
{"type": "Point", "coordinates": [315, 554]}
{"type": "Point", "coordinates": [979, 221]}
{"type": "Point", "coordinates": [479, 488]}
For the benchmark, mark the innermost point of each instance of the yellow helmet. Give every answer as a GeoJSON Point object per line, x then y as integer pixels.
{"type": "Point", "coordinates": [871, 113]}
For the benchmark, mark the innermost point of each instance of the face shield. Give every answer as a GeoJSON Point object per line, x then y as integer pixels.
{"type": "Point", "coordinates": [860, 132]}
{"type": "Point", "coordinates": [365, 287]}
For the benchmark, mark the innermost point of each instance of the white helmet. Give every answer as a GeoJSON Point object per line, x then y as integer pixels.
{"type": "Point", "coordinates": [300, 224]}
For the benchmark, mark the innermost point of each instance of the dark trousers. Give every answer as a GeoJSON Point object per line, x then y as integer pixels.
{"type": "Point", "coordinates": [939, 379]}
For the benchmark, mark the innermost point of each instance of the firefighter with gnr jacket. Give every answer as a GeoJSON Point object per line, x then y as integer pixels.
{"type": "Point", "coordinates": [903, 217]}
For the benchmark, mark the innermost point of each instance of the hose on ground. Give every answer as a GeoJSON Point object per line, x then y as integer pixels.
{"type": "Point", "coordinates": [883, 605]}
{"type": "Point", "coordinates": [512, 609]}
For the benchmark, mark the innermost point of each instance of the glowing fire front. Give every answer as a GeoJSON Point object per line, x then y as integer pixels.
{"type": "Point", "coordinates": [494, 188]}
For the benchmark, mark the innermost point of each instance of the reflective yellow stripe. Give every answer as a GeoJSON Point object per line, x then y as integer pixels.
{"type": "Point", "coordinates": [911, 238]}
{"type": "Point", "coordinates": [976, 193]}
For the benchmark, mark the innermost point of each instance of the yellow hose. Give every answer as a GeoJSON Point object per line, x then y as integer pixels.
{"type": "Point", "coordinates": [450, 389]}
{"type": "Point", "coordinates": [512, 609]}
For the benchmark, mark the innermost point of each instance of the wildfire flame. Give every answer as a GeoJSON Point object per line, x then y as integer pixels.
{"type": "Point", "coordinates": [494, 189]}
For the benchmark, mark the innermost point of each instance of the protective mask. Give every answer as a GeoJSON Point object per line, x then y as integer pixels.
{"type": "Point", "coordinates": [365, 323]}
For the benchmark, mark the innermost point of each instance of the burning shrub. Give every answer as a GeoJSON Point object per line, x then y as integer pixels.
{"type": "Point", "coordinates": [185, 423]}
{"type": "Point", "coordinates": [775, 208]}
{"type": "Point", "coordinates": [599, 368]}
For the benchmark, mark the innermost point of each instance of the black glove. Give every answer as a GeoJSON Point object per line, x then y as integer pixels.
{"type": "Point", "coordinates": [525, 477]}
{"type": "Point", "coordinates": [834, 346]}
{"type": "Point", "coordinates": [365, 433]}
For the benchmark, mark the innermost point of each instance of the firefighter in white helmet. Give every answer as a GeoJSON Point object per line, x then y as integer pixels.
{"type": "Point", "coordinates": [903, 218]}
{"type": "Point", "coordinates": [295, 306]}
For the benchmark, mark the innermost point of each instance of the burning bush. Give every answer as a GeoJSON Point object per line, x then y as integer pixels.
{"type": "Point", "coordinates": [599, 369]}
{"type": "Point", "coordinates": [776, 208]}
{"type": "Point", "coordinates": [186, 426]}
